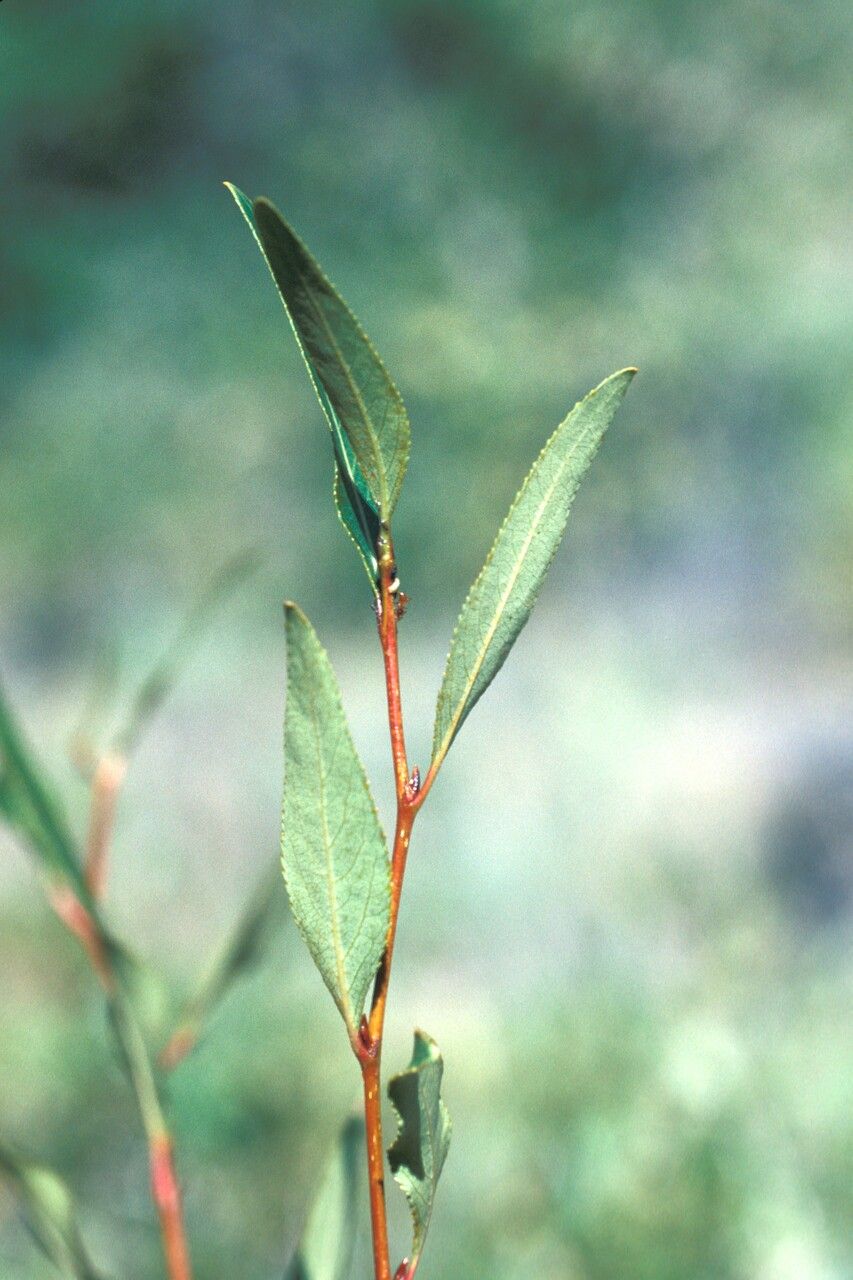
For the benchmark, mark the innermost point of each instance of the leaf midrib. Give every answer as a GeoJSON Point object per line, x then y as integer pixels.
{"type": "Point", "coordinates": [337, 942]}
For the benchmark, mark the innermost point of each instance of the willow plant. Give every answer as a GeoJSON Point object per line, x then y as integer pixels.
{"type": "Point", "coordinates": [344, 888]}
{"type": "Point", "coordinates": [343, 883]}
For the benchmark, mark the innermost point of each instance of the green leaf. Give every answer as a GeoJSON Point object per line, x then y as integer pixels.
{"type": "Point", "coordinates": [500, 601]}
{"type": "Point", "coordinates": [326, 1248]}
{"type": "Point", "coordinates": [333, 851]}
{"type": "Point", "coordinates": [361, 525]}
{"type": "Point", "coordinates": [28, 805]}
{"type": "Point", "coordinates": [418, 1152]}
{"type": "Point", "coordinates": [364, 409]}
{"type": "Point", "coordinates": [240, 953]}
{"type": "Point", "coordinates": [49, 1213]}
{"type": "Point", "coordinates": [356, 508]}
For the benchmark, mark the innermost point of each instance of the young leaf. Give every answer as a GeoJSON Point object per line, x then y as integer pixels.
{"type": "Point", "coordinates": [364, 408]}
{"type": "Point", "coordinates": [49, 1213]}
{"type": "Point", "coordinates": [333, 851]}
{"type": "Point", "coordinates": [326, 1248]}
{"type": "Point", "coordinates": [418, 1152]}
{"type": "Point", "coordinates": [500, 601]}
{"type": "Point", "coordinates": [240, 953]}
{"type": "Point", "coordinates": [28, 805]}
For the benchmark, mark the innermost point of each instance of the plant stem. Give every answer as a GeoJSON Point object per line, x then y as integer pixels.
{"type": "Point", "coordinates": [85, 923]}
{"type": "Point", "coordinates": [388, 640]}
{"type": "Point", "coordinates": [371, 1079]}
{"type": "Point", "coordinates": [370, 1049]}
{"type": "Point", "coordinates": [167, 1198]}
{"type": "Point", "coordinates": [106, 783]}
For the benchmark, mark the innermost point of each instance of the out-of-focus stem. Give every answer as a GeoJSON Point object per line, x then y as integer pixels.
{"type": "Point", "coordinates": [85, 923]}
{"type": "Point", "coordinates": [107, 779]}
{"type": "Point", "coordinates": [167, 1199]}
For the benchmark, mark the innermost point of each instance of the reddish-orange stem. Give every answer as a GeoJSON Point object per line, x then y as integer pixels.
{"type": "Point", "coordinates": [405, 818]}
{"type": "Point", "coordinates": [177, 1047]}
{"type": "Point", "coordinates": [369, 1049]}
{"type": "Point", "coordinates": [165, 1191]}
{"type": "Point", "coordinates": [370, 1074]}
{"type": "Point", "coordinates": [388, 640]}
{"type": "Point", "coordinates": [167, 1199]}
{"type": "Point", "coordinates": [106, 784]}
{"type": "Point", "coordinates": [78, 921]}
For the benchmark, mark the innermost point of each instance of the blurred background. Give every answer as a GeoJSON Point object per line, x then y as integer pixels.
{"type": "Point", "coordinates": [627, 916]}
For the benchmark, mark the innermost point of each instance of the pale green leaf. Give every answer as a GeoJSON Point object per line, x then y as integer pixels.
{"type": "Point", "coordinates": [418, 1152]}
{"type": "Point", "coordinates": [326, 1247]}
{"type": "Point", "coordinates": [333, 851]}
{"type": "Point", "coordinates": [48, 1210]}
{"type": "Point", "coordinates": [500, 601]}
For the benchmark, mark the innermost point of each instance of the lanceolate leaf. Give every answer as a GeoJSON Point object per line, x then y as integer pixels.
{"type": "Point", "coordinates": [241, 952]}
{"type": "Point", "coordinates": [366, 415]}
{"type": "Point", "coordinates": [49, 1212]}
{"type": "Point", "coordinates": [326, 1248]}
{"type": "Point", "coordinates": [418, 1153]}
{"type": "Point", "coordinates": [28, 805]}
{"type": "Point", "coordinates": [333, 851]}
{"type": "Point", "coordinates": [500, 601]}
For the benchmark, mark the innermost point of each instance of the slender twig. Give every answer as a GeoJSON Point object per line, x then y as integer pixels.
{"type": "Point", "coordinates": [370, 1060]}
{"type": "Point", "coordinates": [84, 922]}
{"type": "Point", "coordinates": [387, 616]}
{"type": "Point", "coordinates": [369, 1048]}
{"type": "Point", "coordinates": [107, 779]}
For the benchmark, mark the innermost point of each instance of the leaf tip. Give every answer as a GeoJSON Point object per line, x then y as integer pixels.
{"type": "Point", "coordinates": [293, 614]}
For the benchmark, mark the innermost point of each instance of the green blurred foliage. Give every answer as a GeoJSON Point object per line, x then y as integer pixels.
{"type": "Point", "coordinates": [515, 199]}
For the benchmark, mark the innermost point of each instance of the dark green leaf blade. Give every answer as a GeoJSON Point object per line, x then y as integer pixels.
{"type": "Point", "coordinates": [334, 855]}
{"type": "Point", "coordinates": [326, 1248]}
{"type": "Point", "coordinates": [360, 522]}
{"type": "Point", "coordinates": [353, 385]}
{"type": "Point", "coordinates": [49, 1213]}
{"type": "Point", "coordinates": [418, 1152]}
{"type": "Point", "coordinates": [502, 597]}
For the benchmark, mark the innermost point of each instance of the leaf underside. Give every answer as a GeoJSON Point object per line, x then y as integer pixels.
{"type": "Point", "coordinates": [418, 1152]}
{"type": "Point", "coordinates": [334, 854]}
{"type": "Point", "coordinates": [326, 1247]}
{"type": "Point", "coordinates": [365, 412]}
{"type": "Point", "coordinates": [502, 596]}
